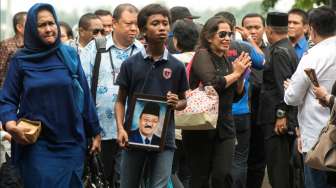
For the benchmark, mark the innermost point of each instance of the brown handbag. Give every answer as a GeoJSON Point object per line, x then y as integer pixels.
{"type": "Point", "coordinates": [323, 154]}
{"type": "Point", "coordinates": [33, 129]}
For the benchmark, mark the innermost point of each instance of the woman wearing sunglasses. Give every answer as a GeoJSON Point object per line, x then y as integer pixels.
{"type": "Point", "coordinates": [210, 152]}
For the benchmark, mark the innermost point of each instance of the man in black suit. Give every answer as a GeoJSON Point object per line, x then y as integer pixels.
{"type": "Point", "coordinates": [149, 119]}
{"type": "Point", "coordinates": [277, 118]}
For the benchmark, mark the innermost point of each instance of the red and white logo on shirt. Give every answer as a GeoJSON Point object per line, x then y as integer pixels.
{"type": "Point", "coordinates": [167, 72]}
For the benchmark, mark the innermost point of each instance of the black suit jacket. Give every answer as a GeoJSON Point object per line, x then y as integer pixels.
{"type": "Point", "coordinates": [282, 64]}
{"type": "Point", "coordinates": [135, 136]}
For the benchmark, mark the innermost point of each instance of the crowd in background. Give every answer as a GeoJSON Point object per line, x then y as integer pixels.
{"type": "Point", "coordinates": [80, 85]}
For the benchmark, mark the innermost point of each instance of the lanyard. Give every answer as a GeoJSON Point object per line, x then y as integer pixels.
{"type": "Point", "coordinates": [112, 65]}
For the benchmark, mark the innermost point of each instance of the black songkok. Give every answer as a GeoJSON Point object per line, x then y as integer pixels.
{"type": "Point", "coordinates": [151, 108]}
{"type": "Point", "coordinates": [277, 19]}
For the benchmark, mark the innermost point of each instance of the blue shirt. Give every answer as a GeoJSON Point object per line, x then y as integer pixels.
{"type": "Point", "coordinates": [258, 59]}
{"type": "Point", "coordinates": [140, 74]}
{"type": "Point", "coordinates": [301, 47]}
{"type": "Point", "coordinates": [242, 106]}
{"type": "Point", "coordinates": [106, 89]}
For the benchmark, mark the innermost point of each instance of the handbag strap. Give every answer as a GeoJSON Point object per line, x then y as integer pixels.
{"type": "Point", "coordinates": [189, 67]}
{"type": "Point", "coordinates": [100, 46]}
{"type": "Point", "coordinates": [95, 74]}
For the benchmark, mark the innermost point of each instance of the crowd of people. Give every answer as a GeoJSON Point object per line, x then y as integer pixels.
{"type": "Point", "coordinates": [81, 85]}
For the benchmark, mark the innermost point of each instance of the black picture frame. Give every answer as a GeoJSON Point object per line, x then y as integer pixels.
{"type": "Point", "coordinates": [149, 116]}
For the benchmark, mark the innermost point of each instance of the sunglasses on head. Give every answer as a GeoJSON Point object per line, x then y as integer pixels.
{"type": "Point", "coordinates": [96, 31]}
{"type": "Point", "coordinates": [223, 34]}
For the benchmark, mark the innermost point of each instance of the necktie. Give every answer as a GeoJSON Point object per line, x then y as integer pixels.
{"type": "Point", "coordinates": [147, 141]}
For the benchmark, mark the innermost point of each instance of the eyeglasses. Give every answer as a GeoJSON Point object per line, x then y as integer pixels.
{"type": "Point", "coordinates": [223, 34]}
{"type": "Point", "coordinates": [96, 31]}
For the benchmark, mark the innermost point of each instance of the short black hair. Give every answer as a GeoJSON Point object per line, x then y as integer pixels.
{"type": "Point", "coordinates": [84, 21]}
{"type": "Point", "coordinates": [102, 12]}
{"type": "Point", "coordinates": [68, 29]}
{"type": "Point", "coordinates": [18, 18]}
{"type": "Point", "coordinates": [227, 15]}
{"type": "Point", "coordinates": [210, 28]}
{"type": "Point", "coordinates": [253, 15]}
{"type": "Point", "coordinates": [123, 7]}
{"type": "Point", "coordinates": [303, 14]}
{"type": "Point", "coordinates": [149, 10]}
{"type": "Point", "coordinates": [323, 21]}
{"type": "Point", "coordinates": [186, 33]}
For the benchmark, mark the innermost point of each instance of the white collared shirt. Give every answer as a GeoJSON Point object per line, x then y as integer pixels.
{"type": "Point", "coordinates": [163, 57]}
{"type": "Point", "coordinates": [144, 138]}
{"type": "Point", "coordinates": [312, 116]}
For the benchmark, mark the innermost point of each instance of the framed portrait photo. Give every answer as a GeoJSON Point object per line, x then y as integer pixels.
{"type": "Point", "coordinates": [148, 124]}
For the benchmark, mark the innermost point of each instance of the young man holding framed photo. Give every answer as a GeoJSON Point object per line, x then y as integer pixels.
{"type": "Point", "coordinates": [153, 71]}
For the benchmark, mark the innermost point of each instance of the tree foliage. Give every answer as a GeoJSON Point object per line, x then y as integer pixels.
{"type": "Point", "coordinates": [239, 13]}
{"type": "Point", "coordinates": [303, 4]}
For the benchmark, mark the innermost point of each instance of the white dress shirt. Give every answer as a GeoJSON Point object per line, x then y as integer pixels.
{"type": "Point", "coordinates": [312, 116]}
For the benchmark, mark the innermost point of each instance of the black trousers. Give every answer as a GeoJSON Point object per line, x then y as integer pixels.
{"type": "Point", "coordinates": [180, 165]}
{"type": "Point", "coordinates": [210, 159]}
{"type": "Point", "coordinates": [111, 158]}
{"type": "Point", "coordinates": [256, 163]}
{"type": "Point", "coordinates": [278, 160]}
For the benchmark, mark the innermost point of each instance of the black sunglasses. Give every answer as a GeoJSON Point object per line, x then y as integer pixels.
{"type": "Point", "coordinates": [96, 31]}
{"type": "Point", "coordinates": [223, 34]}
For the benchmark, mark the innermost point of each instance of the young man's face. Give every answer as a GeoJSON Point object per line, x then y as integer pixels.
{"type": "Point", "coordinates": [157, 28]}
{"type": "Point", "coordinates": [148, 124]}
{"type": "Point", "coordinates": [296, 27]}
{"type": "Point", "coordinates": [256, 28]}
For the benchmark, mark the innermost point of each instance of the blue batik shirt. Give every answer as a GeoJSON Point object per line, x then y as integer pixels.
{"type": "Point", "coordinates": [106, 89]}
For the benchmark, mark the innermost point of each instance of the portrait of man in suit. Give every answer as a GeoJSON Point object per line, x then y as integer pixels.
{"type": "Point", "coordinates": [148, 122]}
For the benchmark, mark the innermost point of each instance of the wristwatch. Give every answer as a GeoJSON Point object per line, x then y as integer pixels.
{"type": "Point", "coordinates": [280, 113]}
